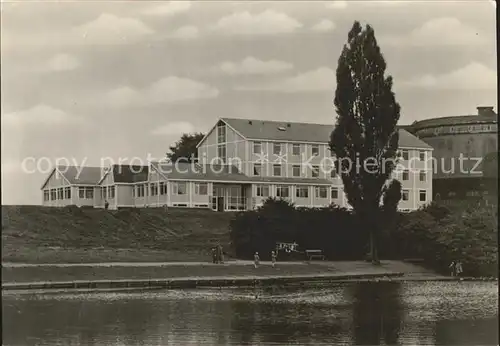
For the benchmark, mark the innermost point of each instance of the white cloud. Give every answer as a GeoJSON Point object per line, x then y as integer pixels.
{"type": "Point", "coordinates": [169, 8]}
{"type": "Point", "coordinates": [324, 26]}
{"type": "Point", "coordinates": [337, 4]}
{"type": "Point", "coordinates": [266, 23]}
{"type": "Point", "coordinates": [321, 79]}
{"type": "Point", "coordinates": [474, 76]}
{"type": "Point", "coordinates": [174, 129]}
{"type": "Point", "coordinates": [186, 32]}
{"type": "Point", "coordinates": [440, 31]}
{"type": "Point", "coordinates": [251, 65]}
{"type": "Point", "coordinates": [38, 115]}
{"type": "Point", "coordinates": [62, 62]}
{"type": "Point", "coordinates": [110, 29]}
{"type": "Point", "coordinates": [166, 90]}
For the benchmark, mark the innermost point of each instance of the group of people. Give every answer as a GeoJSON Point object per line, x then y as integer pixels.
{"type": "Point", "coordinates": [256, 259]}
{"type": "Point", "coordinates": [217, 254]}
{"type": "Point", "coordinates": [456, 268]}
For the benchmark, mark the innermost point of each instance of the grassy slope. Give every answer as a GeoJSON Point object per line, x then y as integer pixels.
{"type": "Point", "coordinates": [35, 234]}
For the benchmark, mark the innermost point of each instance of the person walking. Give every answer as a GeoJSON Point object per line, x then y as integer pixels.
{"type": "Point", "coordinates": [452, 268]}
{"type": "Point", "coordinates": [458, 268]}
{"type": "Point", "coordinates": [214, 255]}
{"type": "Point", "coordinates": [273, 258]}
{"type": "Point", "coordinates": [256, 260]}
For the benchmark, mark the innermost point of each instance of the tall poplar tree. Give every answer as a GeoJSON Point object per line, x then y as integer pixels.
{"type": "Point", "coordinates": [365, 138]}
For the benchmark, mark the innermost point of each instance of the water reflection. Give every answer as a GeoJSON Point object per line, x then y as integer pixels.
{"type": "Point", "coordinates": [362, 314]}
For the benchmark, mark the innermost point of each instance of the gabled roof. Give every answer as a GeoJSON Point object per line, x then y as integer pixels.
{"type": "Point", "coordinates": [75, 175]}
{"type": "Point", "coordinates": [81, 175]}
{"type": "Point", "coordinates": [302, 132]}
{"type": "Point", "coordinates": [130, 174]}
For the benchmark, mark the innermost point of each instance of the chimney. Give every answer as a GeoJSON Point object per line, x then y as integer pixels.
{"type": "Point", "coordinates": [288, 125]}
{"type": "Point", "coordinates": [250, 122]}
{"type": "Point", "coordinates": [485, 111]}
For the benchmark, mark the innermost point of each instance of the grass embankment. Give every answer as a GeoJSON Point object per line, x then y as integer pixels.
{"type": "Point", "coordinates": [36, 234]}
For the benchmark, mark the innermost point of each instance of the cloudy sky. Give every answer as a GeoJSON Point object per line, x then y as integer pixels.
{"type": "Point", "coordinates": [90, 80]}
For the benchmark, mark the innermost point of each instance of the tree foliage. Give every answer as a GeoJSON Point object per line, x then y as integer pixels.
{"type": "Point", "coordinates": [365, 131]}
{"type": "Point", "coordinates": [185, 148]}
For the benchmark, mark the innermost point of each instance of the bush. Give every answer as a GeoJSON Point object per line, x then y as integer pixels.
{"type": "Point", "coordinates": [330, 229]}
{"type": "Point", "coordinates": [436, 234]}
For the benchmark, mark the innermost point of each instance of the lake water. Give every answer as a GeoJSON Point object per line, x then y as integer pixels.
{"type": "Point", "coordinates": [385, 313]}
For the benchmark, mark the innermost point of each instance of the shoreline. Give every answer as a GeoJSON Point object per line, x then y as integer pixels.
{"type": "Point", "coordinates": [219, 282]}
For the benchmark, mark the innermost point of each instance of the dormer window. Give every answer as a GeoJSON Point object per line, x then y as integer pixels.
{"type": "Point", "coordinates": [281, 128]}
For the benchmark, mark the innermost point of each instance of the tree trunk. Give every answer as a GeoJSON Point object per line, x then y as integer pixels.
{"type": "Point", "coordinates": [374, 238]}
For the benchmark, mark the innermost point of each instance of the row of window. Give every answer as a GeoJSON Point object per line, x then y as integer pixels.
{"type": "Point", "coordinates": [178, 188]}
{"type": "Point", "coordinates": [64, 193]}
{"type": "Point", "coordinates": [283, 191]}
{"type": "Point", "coordinates": [278, 149]}
{"type": "Point", "coordinates": [422, 195]}
{"type": "Point", "coordinates": [297, 170]}
{"type": "Point", "coordinates": [60, 193]}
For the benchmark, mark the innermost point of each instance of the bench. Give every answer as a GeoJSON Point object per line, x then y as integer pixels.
{"type": "Point", "coordinates": [315, 254]}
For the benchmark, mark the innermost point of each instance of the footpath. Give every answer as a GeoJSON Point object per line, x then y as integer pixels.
{"type": "Point", "coordinates": [16, 276]}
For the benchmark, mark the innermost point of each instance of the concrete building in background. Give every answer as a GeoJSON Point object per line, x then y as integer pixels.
{"type": "Point", "coordinates": [467, 140]}
{"type": "Point", "coordinates": [241, 163]}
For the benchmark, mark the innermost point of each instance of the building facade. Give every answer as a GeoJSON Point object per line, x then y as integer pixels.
{"type": "Point", "coordinates": [241, 163]}
{"type": "Point", "coordinates": [464, 149]}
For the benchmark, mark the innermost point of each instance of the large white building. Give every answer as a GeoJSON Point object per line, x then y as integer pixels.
{"type": "Point", "coordinates": [241, 162]}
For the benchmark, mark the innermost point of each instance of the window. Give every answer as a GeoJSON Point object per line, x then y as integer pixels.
{"type": "Point", "coordinates": [104, 194]}
{"type": "Point", "coordinates": [406, 195]}
{"type": "Point", "coordinates": [315, 149]}
{"type": "Point", "coordinates": [221, 133]}
{"type": "Point", "coordinates": [221, 152]}
{"type": "Point", "coordinates": [154, 189]}
{"type": "Point", "coordinates": [421, 154]}
{"type": "Point", "coordinates": [406, 175]}
{"type": "Point", "coordinates": [46, 195]}
{"type": "Point", "coordinates": [60, 193]}
{"type": "Point", "coordinates": [423, 196]}
{"type": "Point", "coordinates": [89, 193]}
{"type": "Point", "coordinates": [67, 193]}
{"type": "Point", "coordinates": [315, 171]}
{"type": "Point", "coordinates": [277, 170]}
{"type": "Point", "coordinates": [296, 170]}
{"type": "Point", "coordinates": [302, 191]}
{"type": "Point", "coordinates": [321, 192]}
{"type": "Point", "coordinates": [277, 148]}
{"type": "Point", "coordinates": [257, 147]}
{"type": "Point", "coordinates": [262, 190]}
{"type": "Point", "coordinates": [257, 169]}
{"type": "Point", "coordinates": [333, 172]}
{"type": "Point", "coordinates": [81, 192]}
{"type": "Point", "coordinates": [201, 189]}
{"type": "Point", "coordinates": [180, 188]}
{"type": "Point", "coordinates": [282, 191]}
{"type": "Point", "coordinates": [140, 190]}
{"type": "Point", "coordinates": [296, 149]}
{"type": "Point", "coordinates": [405, 154]}
{"type": "Point", "coordinates": [53, 194]}
{"type": "Point", "coordinates": [163, 188]}
{"type": "Point", "coordinates": [335, 193]}
{"type": "Point", "coordinates": [423, 176]}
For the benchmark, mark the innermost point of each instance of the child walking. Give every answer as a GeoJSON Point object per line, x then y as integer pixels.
{"type": "Point", "coordinates": [256, 259]}
{"type": "Point", "coordinates": [273, 258]}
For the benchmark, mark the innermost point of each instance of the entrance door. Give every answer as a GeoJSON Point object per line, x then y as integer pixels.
{"type": "Point", "coordinates": [220, 203]}
{"type": "Point", "coordinates": [214, 203]}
